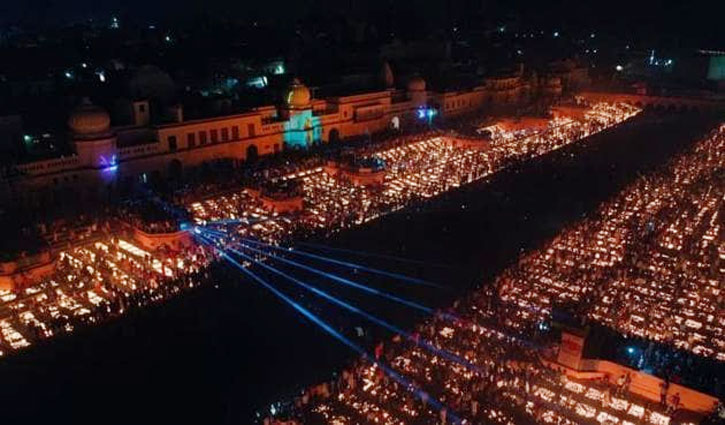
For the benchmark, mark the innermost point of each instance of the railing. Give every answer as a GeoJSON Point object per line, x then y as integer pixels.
{"type": "Point", "coordinates": [49, 165]}
{"type": "Point", "coordinates": [139, 150]}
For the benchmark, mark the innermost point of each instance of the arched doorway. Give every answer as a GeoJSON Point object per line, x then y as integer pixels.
{"type": "Point", "coordinates": [395, 123]}
{"type": "Point", "coordinates": [252, 153]}
{"type": "Point", "coordinates": [175, 170]}
{"type": "Point", "coordinates": [334, 136]}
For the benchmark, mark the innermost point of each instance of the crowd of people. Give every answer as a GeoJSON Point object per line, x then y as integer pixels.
{"type": "Point", "coordinates": [473, 363]}
{"type": "Point", "coordinates": [649, 263]}
{"type": "Point", "coordinates": [94, 282]}
{"type": "Point", "coordinates": [417, 168]}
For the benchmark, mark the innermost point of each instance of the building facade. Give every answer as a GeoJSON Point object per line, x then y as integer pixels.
{"type": "Point", "coordinates": [106, 157]}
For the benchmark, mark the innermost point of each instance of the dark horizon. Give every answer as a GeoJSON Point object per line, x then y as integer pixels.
{"type": "Point", "coordinates": [693, 23]}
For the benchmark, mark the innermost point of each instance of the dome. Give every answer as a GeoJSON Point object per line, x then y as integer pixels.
{"type": "Point", "coordinates": [89, 119]}
{"type": "Point", "coordinates": [298, 95]}
{"type": "Point", "coordinates": [416, 83]}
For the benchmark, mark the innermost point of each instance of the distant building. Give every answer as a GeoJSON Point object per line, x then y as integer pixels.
{"type": "Point", "coordinates": [716, 68]}
{"type": "Point", "coordinates": [11, 136]}
{"type": "Point", "coordinates": [107, 159]}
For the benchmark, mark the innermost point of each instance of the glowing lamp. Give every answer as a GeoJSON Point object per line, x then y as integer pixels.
{"type": "Point", "coordinates": [109, 165]}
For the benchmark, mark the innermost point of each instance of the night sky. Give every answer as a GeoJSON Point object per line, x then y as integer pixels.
{"type": "Point", "coordinates": [698, 22]}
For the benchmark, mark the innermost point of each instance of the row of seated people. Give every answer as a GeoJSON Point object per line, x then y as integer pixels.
{"type": "Point", "coordinates": [648, 264]}
{"type": "Point", "coordinates": [464, 365]}
{"type": "Point", "coordinates": [417, 168]}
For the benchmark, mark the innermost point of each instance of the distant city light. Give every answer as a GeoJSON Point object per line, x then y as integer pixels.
{"type": "Point", "coordinates": [630, 350]}
{"type": "Point", "coordinates": [556, 34]}
{"type": "Point", "coordinates": [68, 74]}
{"type": "Point", "coordinates": [84, 65]}
{"type": "Point", "coordinates": [257, 82]}
{"type": "Point", "coordinates": [592, 35]}
{"type": "Point", "coordinates": [655, 61]}
{"type": "Point", "coordinates": [114, 23]}
{"type": "Point", "coordinates": [101, 76]}
{"type": "Point", "coordinates": [167, 39]}
{"type": "Point", "coordinates": [501, 29]}
{"type": "Point", "coordinates": [279, 69]}
{"type": "Point", "coordinates": [619, 68]}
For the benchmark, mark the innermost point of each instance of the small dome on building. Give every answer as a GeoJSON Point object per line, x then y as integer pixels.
{"type": "Point", "coordinates": [416, 83]}
{"type": "Point", "coordinates": [89, 119]}
{"type": "Point", "coordinates": [298, 95]}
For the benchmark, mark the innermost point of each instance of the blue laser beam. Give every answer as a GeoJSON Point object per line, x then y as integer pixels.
{"type": "Point", "coordinates": [348, 264]}
{"type": "Point", "coordinates": [418, 341]}
{"type": "Point", "coordinates": [225, 221]}
{"type": "Point", "coordinates": [339, 279]}
{"type": "Point", "coordinates": [347, 282]}
{"type": "Point", "coordinates": [371, 254]}
{"type": "Point", "coordinates": [422, 395]}
{"type": "Point", "coordinates": [446, 316]}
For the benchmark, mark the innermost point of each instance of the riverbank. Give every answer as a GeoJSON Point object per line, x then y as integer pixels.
{"type": "Point", "coordinates": [217, 354]}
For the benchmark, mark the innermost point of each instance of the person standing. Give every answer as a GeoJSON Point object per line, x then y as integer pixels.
{"type": "Point", "coordinates": [663, 393]}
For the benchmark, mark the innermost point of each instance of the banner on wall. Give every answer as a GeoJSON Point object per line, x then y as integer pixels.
{"type": "Point", "coordinates": [570, 351]}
